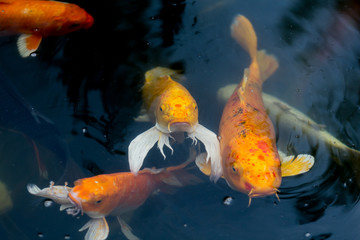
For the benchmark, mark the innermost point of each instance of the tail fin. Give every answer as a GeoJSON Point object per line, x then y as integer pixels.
{"type": "Point", "coordinates": [178, 176]}
{"type": "Point", "coordinates": [160, 72]}
{"type": "Point", "coordinates": [267, 64]}
{"type": "Point", "coordinates": [243, 32]}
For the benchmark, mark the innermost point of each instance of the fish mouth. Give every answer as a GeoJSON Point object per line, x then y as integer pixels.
{"type": "Point", "coordinates": [254, 193]}
{"type": "Point", "coordinates": [77, 205]}
{"type": "Point", "coordinates": [89, 21]}
{"type": "Point", "coordinates": [180, 127]}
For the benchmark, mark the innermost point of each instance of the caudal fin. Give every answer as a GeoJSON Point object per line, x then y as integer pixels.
{"type": "Point", "coordinates": [243, 32]}
{"type": "Point", "coordinates": [267, 64]}
{"type": "Point", "coordinates": [178, 176]}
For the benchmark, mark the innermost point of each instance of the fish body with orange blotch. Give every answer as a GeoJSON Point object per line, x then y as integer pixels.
{"type": "Point", "coordinates": [114, 194]}
{"type": "Point", "coordinates": [250, 160]}
{"type": "Point", "coordinates": [170, 105]}
{"type": "Point", "coordinates": [35, 19]}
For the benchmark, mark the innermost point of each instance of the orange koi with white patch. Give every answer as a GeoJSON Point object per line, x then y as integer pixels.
{"type": "Point", "coordinates": [170, 105]}
{"type": "Point", "coordinates": [117, 193]}
{"type": "Point", "coordinates": [35, 19]}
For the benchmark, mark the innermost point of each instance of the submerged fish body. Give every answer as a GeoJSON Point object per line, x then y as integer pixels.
{"type": "Point", "coordinates": [174, 110]}
{"type": "Point", "coordinates": [6, 203]}
{"type": "Point", "coordinates": [35, 19]}
{"type": "Point", "coordinates": [19, 116]}
{"type": "Point", "coordinates": [113, 194]}
{"type": "Point", "coordinates": [58, 194]}
{"type": "Point", "coordinates": [250, 159]}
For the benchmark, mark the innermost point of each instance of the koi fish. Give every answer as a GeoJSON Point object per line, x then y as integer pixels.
{"type": "Point", "coordinates": [114, 194]}
{"type": "Point", "coordinates": [35, 19]}
{"type": "Point", "coordinates": [174, 110]}
{"type": "Point", "coordinates": [58, 194]}
{"type": "Point", "coordinates": [288, 117]}
{"type": "Point", "coordinates": [250, 159]}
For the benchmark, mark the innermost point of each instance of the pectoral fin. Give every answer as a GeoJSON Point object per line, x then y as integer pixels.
{"type": "Point", "coordinates": [202, 164]}
{"type": "Point", "coordinates": [140, 146]}
{"type": "Point", "coordinates": [212, 147]}
{"type": "Point", "coordinates": [126, 230]}
{"type": "Point", "coordinates": [301, 164]}
{"type": "Point", "coordinates": [164, 140]}
{"type": "Point", "coordinates": [28, 43]}
{"type": "Point", "coordinates": [98, 229]}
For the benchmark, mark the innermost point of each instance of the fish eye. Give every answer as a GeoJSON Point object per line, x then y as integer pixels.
{"type": "Point", "coordinates": [74, 25]}
{"type": "Point", "coordinates": [161, 109]}
{"type": "Point", "coordinates": [98, 201]}
{"type": "Point", "coordinates": [195, 107]}
{"type": "Point", "coordinates": [233, 168]}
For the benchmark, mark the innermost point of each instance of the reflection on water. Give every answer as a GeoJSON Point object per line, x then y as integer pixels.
{"type": "Point", "coordinates": [85, 87]}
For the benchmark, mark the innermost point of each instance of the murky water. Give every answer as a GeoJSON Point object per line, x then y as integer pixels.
{"type": "Point", "coordinates": [84, 87]}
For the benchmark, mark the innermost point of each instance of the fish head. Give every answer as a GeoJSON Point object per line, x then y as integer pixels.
{"type": "Point", "coordinates": [93, 196]}
{"type": "Point", "coordinates": [253, 175]}
{"type": "Point", "coordinates": [72, 19]}
{"type": "Point", "coordinates": [177, 113]}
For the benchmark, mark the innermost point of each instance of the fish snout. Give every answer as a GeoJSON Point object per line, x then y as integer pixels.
{"type": "Point", "coordinates": [180, 127]}
{"type": "Point", "coordinates": [76, 201]}
{"type": "Point", "coordinates": [89, 21]}
{"type": "Point", "coordinates": [261, 192]}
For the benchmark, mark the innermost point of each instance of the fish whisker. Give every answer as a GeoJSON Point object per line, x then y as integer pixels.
{"type": "Point", "coordinates": [76, 209]}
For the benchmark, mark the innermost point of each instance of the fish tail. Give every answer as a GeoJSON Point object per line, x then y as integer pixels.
{"type": "Point", "coordinates": [267, 64]}
{"type": "Point", "coordinates": [243, 32]}
{"type": "Point", "coordinates": [178, 176]}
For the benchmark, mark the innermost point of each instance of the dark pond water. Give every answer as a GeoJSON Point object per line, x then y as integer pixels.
{"type": "Point", "coordinates": [83, 89]}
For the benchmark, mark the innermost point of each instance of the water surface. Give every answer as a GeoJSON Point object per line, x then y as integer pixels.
{"type": "Point", "coordinates": [85, 87]}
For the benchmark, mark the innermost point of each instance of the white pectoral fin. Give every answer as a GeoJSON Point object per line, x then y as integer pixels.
{"type": "Point", "coordinates": [98, 229]}
{"type": "Point", "coordinates": [140, 146]}
{"type": "Point", "coordinates": [212, 147]}
{"type": "Point", "coordinates": [28, 43]}
{"type": "Point", "coordinates": [164, 140]}
{"type": "Point", "coordinates": [301, 164]}
{"type": "Point", "coordinates": [126, 230]}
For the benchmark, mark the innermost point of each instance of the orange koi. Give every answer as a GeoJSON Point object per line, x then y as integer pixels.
{"type": "Point", "coordinates": [250, 160]}
{"type": "Point", "coordinates": [114, 194]}
{"type": "Point", "coordinates": [174, 110]}
{"type": "Point", "coordinates": [35, 19]}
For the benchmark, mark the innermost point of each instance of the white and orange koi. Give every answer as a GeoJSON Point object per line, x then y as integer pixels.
{"type": "Point", "coordinates": [174, 110]}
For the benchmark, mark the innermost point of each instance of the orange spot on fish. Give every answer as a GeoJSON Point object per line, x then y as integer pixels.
{"type": "Point", "coordinates": [248, 186]}
{"type": "Point", "coordinates": [261, 157]}
{"type": "Point", "coordinates": [178, 105]}
{"type": "Point", "coordinates": [263, 146]}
